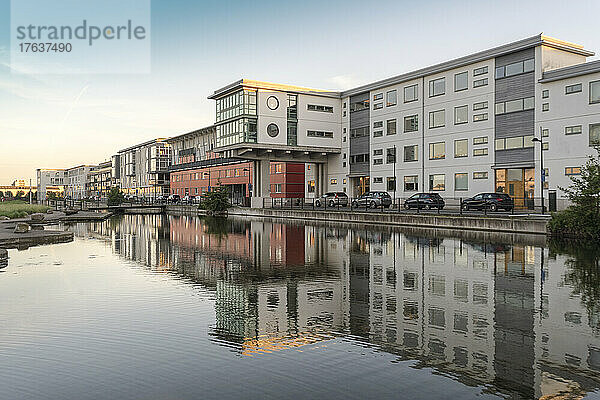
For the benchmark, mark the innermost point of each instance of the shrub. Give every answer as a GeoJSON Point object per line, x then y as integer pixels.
{"type": "Point", "coordinates": [115, 197]}
{"type": "Point", "coordinates": [20, 209]}
{"type": "Point", "coordinates": [216, 201]}
{"type": "Point", "coordinates": [582, 219]}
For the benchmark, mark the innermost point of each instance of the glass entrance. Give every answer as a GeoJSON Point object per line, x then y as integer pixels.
{"type": "Point", "coordinates": [518, 183]}
{"type": "Point", "coordinates": [361, 185]}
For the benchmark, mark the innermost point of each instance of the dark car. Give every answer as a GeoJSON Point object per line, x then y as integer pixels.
{"type": "Point", "coordinates": [161, 198]}
{"type": "Point", "coordinates": [425, 200]}
{"type": "Point", "coordinates": [373, 200]}
{"type": "Point", "coordinates": [490, 201]}
{"type": "Point", "coordinates": [332, 199]}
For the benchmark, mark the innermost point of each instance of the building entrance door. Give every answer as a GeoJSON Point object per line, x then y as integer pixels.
{"type": "Point", "coordinates": [361, 185]}
{"type": "Point", "coordinates": [518, 183]}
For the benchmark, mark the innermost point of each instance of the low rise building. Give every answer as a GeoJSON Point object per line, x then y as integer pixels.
{"type": "Point", "coordinates": [99, 180]}
{"type": "Point", "coordinates": [50, 181]}
{"type": "Point", "coordinates": [144, 168]}
{"type": "Point", "coordinates": [75, 181]}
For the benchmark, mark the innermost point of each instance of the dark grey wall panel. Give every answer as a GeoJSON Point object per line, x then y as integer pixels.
{"type": "Point", "coordinates": [362, 168]}
{"type": "Point", "coordinates": [359, 145]}
{"type": "Point", "coordinates": [514, 57]}
{"type": "Point", "coordinates": [515, 124]}
{"type": "Point", "coordinates": [359, 119]}
{"type": "Point", "coordinates": [516, 157]}
{"type": "Point", "coordinates": [515, 87]}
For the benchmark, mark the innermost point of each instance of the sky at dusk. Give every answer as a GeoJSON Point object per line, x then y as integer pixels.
{"type": "Point", "coordinates": [58, 121]}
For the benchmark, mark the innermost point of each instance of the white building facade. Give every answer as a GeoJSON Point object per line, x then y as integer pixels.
{"type": "Point", "coordinates": [458, 128]}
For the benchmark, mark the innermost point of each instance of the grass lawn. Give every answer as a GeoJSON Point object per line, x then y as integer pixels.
{"type": "Point", "coordinates": [20, 209]}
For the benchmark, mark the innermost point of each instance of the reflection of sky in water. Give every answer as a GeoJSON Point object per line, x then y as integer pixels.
{"type": "Point", "coordinates": [156, 307]}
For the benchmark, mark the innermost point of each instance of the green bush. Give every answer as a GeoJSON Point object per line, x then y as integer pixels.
{"type": "Point", "coordinates": [216, 201]}
{"type": "Point", "coordinates": [582, 219]}
{"type": "Point", "coordinates": [115, 197]}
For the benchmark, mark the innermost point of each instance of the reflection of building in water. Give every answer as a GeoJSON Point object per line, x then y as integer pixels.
{"type": "Point", "coordinates": [502, 316]}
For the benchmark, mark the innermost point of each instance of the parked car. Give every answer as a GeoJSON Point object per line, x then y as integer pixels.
{"type": "Point", "coordinates": [425, 200]}
{"type": "Point", "coordinates": [490, 201]}
{"type": "Point", "coordinates": [174, 198]}
{"type": "Point", "coordinates": [373, 200]}
{"type": "Point", "coordinates": [188, 199]}
{"type": "Point", "coordinates": [332, 199]}
{"type": "Point", "coordinates": [161, 198]}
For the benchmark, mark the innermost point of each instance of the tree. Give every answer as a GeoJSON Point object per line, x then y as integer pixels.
{"type": "Point", "coordinates": [582, 218]}
{"type": "Point", "coordinates": [216, 201]}
{"type": "Point", "coordinates": [115, 197]}
{"type": "Point", "coordinates": [20, 194]}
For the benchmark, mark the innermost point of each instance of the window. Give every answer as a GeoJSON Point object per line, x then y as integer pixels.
{"type": "Point", "coordinates": [594, 135]}
{"type": "Point", "coordinates": [276, 188]}
{"type": "Point", "coordinates": [411, 183]}
{"type": "Point", "coordinates": [437, 182]}
{"type": "Point", "coordinates": [390, 155]}
{"type": "Point", "coordinates": [314, 107]}
{"type": "Point", "coordinates": [480, 175]}
{"type": "Point", "coordinates": [310, 187]}
{"type": "Point", "coordinates": [359, 106]}
{"type": "Point", "coordinates": [480, 117]}
{"type": "Point", "coordinates": [411, 123]}
{"type": "Point", "coordinates": [391, 184]}
{"type": "Point", "coordinates": [514, 105]}
{"type": "Point", "coordinates": [437, 87]}
{"type": "Point", "coordinates": [480, 106]}
{"type": "Point", "coordinates": [461, 81]}
{"type": "Point", "coordinates": [545, 106]}
{"type": "Point", "coordinates": [480, 152]}
{"type": "Point", "coordinates": [359, 158]}
{"type": "Point", "coordinates": [461, 115]}
{"type": "Point", "coordinates": [378, 124]}
{"type": "Point", "coordinates": [573, 130]}
{"type": "Point", "coordinates": [480, 140]}
{"type": "Point", "coordinates": [411, 153]}
{"type": "Point", "coordinates": [480, 71]}
{"type": "Point", "coordinates": [515, 68]}
{"type": "Point", "coordinates": [391, 126]}
{"type": "Point", "coordinates": [359, 132]}
{"type": "Point", "coordinates": [377, 133]}
{"type": "Point", "coordinates": [378, 96]}
{"type": "Point", "coordinates": [572, 171]}
{"type": "Point", "coordinates": [378, 152]}
{"type": "Point", "coordinates": [461, 148]}
{"type": "Point", "coordinates": [545, 133]}
{"type": "Point", "coordinates": [320, 134]}
{"type": "Point", "coordinates": [378, 179]}
{"type": "Point", "coordinates": [545, 94]}
{"type": "Point", "coordinates": [333, 181]}
{"type": "Point", "coordinates": [545, 146]}
{"type": "Point", "coordinates": [480, 82]}
{"type": "Point", "coordinates": [437, 119]}
{"type": "Point", "coordinates": [437, 151]}
{"type": "Point", "coordinates": [461, 181]}
{"type": "Point", "coordinates": [410, 93]}
{"type": "Point", "coordinates": [377, 106]}
{"type": "Point", "coordinates": [518, 142]}
{"type": "Point", "coordinates": [573, 88]}
{"type": "Point", "coordinates": [391, 98]}
{"type": "Point", "coordinates": [594, 92]}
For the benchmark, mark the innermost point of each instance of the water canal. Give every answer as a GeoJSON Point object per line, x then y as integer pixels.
{"type": "Point", "coordinates": [176, 307]}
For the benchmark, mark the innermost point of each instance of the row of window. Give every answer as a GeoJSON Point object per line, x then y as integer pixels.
{"type": "Point", "coordinates": [315, 107]}
{"type": "Point", "coordinates": [577, 88]}
{"type": "Point", "coordinates": [515, 68]}
{"type": "Point", "coordinates": [437, 119]}
{"type": "Point", "coordinates": [594, 133]}
{"type": "Point", "coordinates": [510, 106]}
{"type": "Point", "coordinates": [437, 182]}
{"type": "Point", "coordinates": [437, 87]}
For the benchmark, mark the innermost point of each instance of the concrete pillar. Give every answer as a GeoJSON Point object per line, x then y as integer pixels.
{"type": "Point", "coordinates": [261, 182]}
{"type": "Point", "coordinates": [318, 192]}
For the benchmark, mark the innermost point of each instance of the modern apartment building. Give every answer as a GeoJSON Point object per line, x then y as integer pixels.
{"type": "Point", "coordinates": [99, 180]}
{"type": "Point", "coordinates": [195, 168]}
{"type": "Point", "coordinates": [144, 168]}
{"type": "Point", "coordinates": [460, 127]}
{"type": "Point", "coordinates": [49, 180]}
{"type": "Point", "coordinates": [76, 180]}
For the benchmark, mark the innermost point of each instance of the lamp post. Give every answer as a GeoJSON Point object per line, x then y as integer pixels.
{"type": "Point", "coordinates": [543, 174]}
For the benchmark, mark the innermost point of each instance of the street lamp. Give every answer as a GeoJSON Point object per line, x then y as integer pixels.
{"type": "Point", "coordinates": [543, 174]}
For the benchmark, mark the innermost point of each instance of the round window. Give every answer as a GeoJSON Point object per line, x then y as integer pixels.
{"type": "Point", "coordinates": [272, 130]}
{"type": "Point", "coordinates": [272, 102]}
